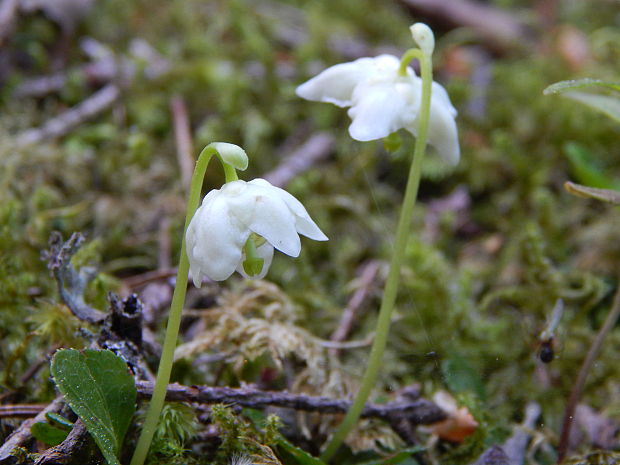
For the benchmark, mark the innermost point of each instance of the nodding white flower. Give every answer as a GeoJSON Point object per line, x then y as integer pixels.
{"type": "Point", "coordinates": [243, 214]}
{"type": "Point", "coordinates": [383, 102]}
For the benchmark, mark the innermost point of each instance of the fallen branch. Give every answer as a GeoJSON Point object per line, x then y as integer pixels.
{"type": "Point", "coordinates": [183, 138]}
{"type": "Point", "coordinates": [105, 68]}
{"type": "Point", "coordinates": [498, 29]}
{"type": "Point", "coordinates": [349, 314]}
{"type": "Point", "coordinates": [70, 119]}
{"type": "Point", "coordinates": [71, 283]}
{"type": "Point", "coordinates": [419, 412]}
{"type": "Point", "coordinates": [516, 446]}
{"type": "Point", "coordinates": [21, 410]}
{"type": "Point", "coordinates": [575, 394]}
{"type": "Point", "coordinates": [315, 149]}
{"type": "Point", "coordinates": [8, 12]}
{"type": "Point", "coordinates": [141, 279]}
{"type": "Point", "coordinates": [494, 455]}
{"type": "Point", "coordinates": [77, 449]}
{"type": "Point", "coordinates": [22, 434]}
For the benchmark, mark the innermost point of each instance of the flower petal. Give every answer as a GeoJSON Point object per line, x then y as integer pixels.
{"type": "Point", "coordinates": [335, 84]}
{"type": "Point", "coordinates": [377, 111]}
{"type": "Point", "coordinates": [442, 130]}
{"type": "Point", "coordinates": [214, 240]}
{"type": "Point", "coordinates": [303, 223]}
{"type": "Point", "coordinates": [270, 217]}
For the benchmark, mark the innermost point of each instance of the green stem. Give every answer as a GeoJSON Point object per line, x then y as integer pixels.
{"type": "Point", "coordinates": [577, 390]}
{"type": "Point", "coordinates": [391, 285]}
{"type": "Point", "coordinates": [409, 55]}
{"type": "Point", "coordinates": [176, 308]}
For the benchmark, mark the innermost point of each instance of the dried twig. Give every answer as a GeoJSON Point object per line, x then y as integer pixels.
{"type": "Point", "coordinates": [70, 119]}
{"type": "Point", "coordinates": [494, 455]}
{"type": "Point", "coordinates": [499, 29]}
{"type": "Point", "coordinates": [22, 434]}
{"type": "Point", "coordinates": [21, 410]}
{"type": "Point", "coordinates": [71, 283]}
{"type": "Point", "coordinates": [164, 242]}
{"type": "Point", "coordinates": [138, 280]}
{"type": "Point", "coordinates": [8, 11]}
{"type": "Point", "coordinates": [418, 412]}
{"type": "Point", "coordinates": [315, 149]}
{"type": "Point", "coordinates": [516, 446]}
{"type": "Point", "coordinates": [368, 276]}
{"type": "Point", "coordinates": [77, 449]}
{"type": "Point", "coordinates": [105, 68]}
{"type": "Point", "coordinates": [577, 389]}
{"type": "Point", "coordinates": [183, 137]}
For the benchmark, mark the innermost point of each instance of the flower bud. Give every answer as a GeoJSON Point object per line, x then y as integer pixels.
{"type": "Point", "coordinates": [423, 36]}
{"type": "Point", "coordinates": [232, 154]}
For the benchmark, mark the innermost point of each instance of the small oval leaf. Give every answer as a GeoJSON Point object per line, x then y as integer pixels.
{"type": "Point", "coordinates": [98, 387]}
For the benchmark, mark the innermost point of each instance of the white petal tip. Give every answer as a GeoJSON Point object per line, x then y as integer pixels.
{"type": "Point", "coordinates": [300, 91]}
{"type": "Point", "coordinates": [197, 279]}
{"type": "Point", "coordinates": [365, 133]}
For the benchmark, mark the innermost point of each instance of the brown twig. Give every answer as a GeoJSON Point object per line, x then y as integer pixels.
{"type": "Point", "coordinates": [494, 455]}
{"type": "Point", "coordinates": [36, 366]}
{"type": "Point", "coordinates": [21, 410]}
{"type": "Point", "coordinates": [70, 119]}
{"type": "Point", "coordinates": [71, 283]}
{"type": "Point", "coordinates": [516, 446]}
{"type": "Point", "coordinates": [138, 280]}
{"type": "Point", "coordinates": [183, 138]}
{"type": "Point", "coordinates": [577, 389]}
{"type": "Point", "coordinates": [164, 260]}
{"type": "Point", "coordinates": [315, 149]}
{"type": "Point", "coordinates": [368, 276]}
{"type": "Point", "coordinates": [22, 434]}
{"type": "Point", "coordinates": [418, 412]}
{"type": "Point", "coordinates": [105, 68]}
{"type": "Point", "coordinates": [499, 30]}
{"type": "Point", "coordinates": [8, 12]}
{"type": "Point", "coordinates": [76, 449]}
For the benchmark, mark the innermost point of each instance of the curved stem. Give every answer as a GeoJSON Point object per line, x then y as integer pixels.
{"type": "Point", "coordinates": [400, 243]}
{"type": "Point", "coordinates": [176, 308]}
{"type": "Point", "coordinates": [407, 57]}
{"type": "Point", "coordinates": [575, 393]}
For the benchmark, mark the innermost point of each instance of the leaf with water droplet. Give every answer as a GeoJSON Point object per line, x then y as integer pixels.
{"type": "Point", "coordinates": [99, 388]}
{"type": "Point", "coordinates": [48, 434]}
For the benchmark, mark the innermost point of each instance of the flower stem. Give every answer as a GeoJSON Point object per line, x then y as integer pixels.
{"type": "Point", "coordinates": [407, 57]}
{"type": "Point", "coordinates": [575, 394]}
{"type": "Point", "coordinates": [176, 308]}
{"type": "Point", "coordinates": [391, 285]}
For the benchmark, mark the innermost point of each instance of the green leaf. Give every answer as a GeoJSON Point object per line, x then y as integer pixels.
{"type": "Point", "coordinates": [301, 456]}
{"type": "Point", "coordinates": [585, 169]}
{"type": "Point", "coordinates": [604, 195]}
{"type": "Point", "coordinates": [58, 421]}
{"type": "Point", "coordinates": [605, 104]}
{"type": "Point", "coordinates": [460, 376]}
{"type": "Point", "coordinates": [98, 387]}
{"type": "Point", "coordinates": [565, 86]}
{"type": "Point", "coordinates": [397, 457]}
{"type": "Point", "coordinates": [48, 434]}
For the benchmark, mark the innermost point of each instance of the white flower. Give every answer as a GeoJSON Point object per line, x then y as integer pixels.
{"type": "Point", "coordinates": [383, 102]}
{"type": "Point", "coordinates": [225, 221]}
